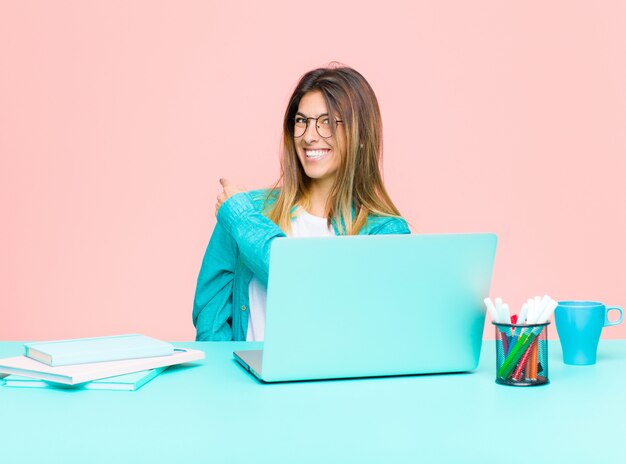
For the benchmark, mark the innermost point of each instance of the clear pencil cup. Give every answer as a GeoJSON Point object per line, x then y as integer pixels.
{"type": "Point", "coordinates": [522, 354]}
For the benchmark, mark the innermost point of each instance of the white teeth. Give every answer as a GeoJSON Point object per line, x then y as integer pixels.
{"type": "Point", "coordinates": [316, 154]}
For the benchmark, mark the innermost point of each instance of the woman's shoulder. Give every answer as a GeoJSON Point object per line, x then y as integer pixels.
{"type": "Point", "coordinates": [377, 223]}
{"type": "Point", "coordinates": [263, 197]}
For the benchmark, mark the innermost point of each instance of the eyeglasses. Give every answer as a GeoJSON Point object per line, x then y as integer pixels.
{"type": "Point", "coordinates": [325, 127]}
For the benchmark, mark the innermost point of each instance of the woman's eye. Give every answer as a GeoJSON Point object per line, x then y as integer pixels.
{"type": "Point", "coordinates": [300, 120]}
{"type": "Point", "coordinates": [325, 121]}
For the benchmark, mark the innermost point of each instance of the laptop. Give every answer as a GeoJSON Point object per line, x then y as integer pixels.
{"type": "Point", "coordinates": [376, 305]}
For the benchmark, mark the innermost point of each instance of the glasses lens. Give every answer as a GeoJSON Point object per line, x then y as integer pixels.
{"type": "Point", "coordinates": [324, 127]}
{"type": "Point", "coordinates": [299, 127]}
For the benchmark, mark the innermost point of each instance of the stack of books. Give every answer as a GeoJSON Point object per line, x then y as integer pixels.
{"type": "Point", "coordinates": [121, 362]}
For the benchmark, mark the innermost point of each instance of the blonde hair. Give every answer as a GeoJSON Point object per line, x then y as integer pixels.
{"type": "Point", "coordinates": [358, 183]}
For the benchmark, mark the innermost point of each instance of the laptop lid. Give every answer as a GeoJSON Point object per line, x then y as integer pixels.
{"type": "Point", "coordinates": [355, 306]}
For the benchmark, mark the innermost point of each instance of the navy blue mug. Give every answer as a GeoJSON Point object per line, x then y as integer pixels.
{"type": "Point", "coordinates": [579, 325]}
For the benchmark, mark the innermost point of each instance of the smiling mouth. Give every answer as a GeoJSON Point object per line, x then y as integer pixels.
{"type": "Point", "coordinates": [316, 154]}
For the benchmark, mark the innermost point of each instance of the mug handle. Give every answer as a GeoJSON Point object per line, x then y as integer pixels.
{"type": "Point", "coordinates": [606, 316]}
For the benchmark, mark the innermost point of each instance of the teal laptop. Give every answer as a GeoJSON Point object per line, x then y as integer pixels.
{"type": "Point", "coordinates": [378, 305]}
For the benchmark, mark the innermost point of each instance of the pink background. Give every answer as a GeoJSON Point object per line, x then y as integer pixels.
{"type": "Point", "coordinates": [118, 118]}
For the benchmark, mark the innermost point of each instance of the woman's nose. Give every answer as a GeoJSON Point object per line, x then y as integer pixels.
{"type": "Point", "coordinates": [310, 134]}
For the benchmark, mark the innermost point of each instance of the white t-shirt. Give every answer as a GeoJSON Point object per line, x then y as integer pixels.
{"type": "Point", "coordinates": [304, 225]}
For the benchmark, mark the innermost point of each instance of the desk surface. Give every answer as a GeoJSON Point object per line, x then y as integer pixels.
{"type": "Point", "coordinates": [214, 411]}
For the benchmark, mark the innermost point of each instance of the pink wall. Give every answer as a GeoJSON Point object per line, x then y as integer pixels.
{"type": "Point", "coordinates": [118, 118]}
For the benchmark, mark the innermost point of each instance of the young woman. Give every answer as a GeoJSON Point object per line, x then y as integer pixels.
{"type": "Point", "coordinates": [330, 184]}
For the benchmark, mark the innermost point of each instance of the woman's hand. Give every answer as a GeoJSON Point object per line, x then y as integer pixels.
{"type": "Point", "coordinates": [228, 190]}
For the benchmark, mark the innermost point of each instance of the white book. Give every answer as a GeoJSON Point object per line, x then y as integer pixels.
{"type": "Point", "coordinates": [79, 373]}
{"type": "Point", "coordinates": [96, 349]}
{"type": "Point", "coordinates": [128, 382]}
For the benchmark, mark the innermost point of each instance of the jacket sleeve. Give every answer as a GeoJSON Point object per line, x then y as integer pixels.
{"type": "Point", "coordinates": [251, 230]}
{"type": "Point", "coordinates": [213, 301]}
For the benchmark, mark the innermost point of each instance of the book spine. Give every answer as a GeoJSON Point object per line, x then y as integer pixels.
{"type": "Point", "coordinates": [104, 356]}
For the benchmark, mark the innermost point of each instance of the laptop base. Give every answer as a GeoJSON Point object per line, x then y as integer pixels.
{"type": "Point", "coordinates": [252, 360]}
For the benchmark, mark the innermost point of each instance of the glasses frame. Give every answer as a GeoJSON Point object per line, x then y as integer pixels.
{"type": "Point", "coordinates": [317, 127]}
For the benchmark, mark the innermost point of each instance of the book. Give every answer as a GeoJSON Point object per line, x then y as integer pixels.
{"type": "Point", "coordinates": [98, 349]}
{"type": "Point", "coordinates": [129, 382]}
{"type": "Point", "coordinates": [79, 373]}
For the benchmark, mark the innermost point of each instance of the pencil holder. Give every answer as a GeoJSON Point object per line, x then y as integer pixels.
{"type": "Point", "coordinates": [522, 354]}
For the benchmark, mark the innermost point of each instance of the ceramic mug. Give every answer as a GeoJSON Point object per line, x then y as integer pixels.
{"type": "Point", "coordinates": [579, 325]}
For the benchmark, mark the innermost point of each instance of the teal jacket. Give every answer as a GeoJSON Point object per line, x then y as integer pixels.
{"type": "Point", "coordinates": [240, 248]}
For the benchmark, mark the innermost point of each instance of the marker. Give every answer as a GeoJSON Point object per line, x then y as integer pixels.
{"type": "Point", "coordinates": [531, 308]}
{"type": "Point", "coordinates": [492, 309]}
{"type": "Point", "coordinates": [533, 361]}
{"type": "Point", "coordinates": [531, 317]}
{"type": "Point", "coordinates": [542, 308]}
{"type": "Point", "coordinates": [537, 301]}
{"type": "Point", "coordinates": [547, 311]}
{"type": "Point", "coordinates": [506, 314]}
{"type": "Point", "coordinates": [500, 311]}
{"type": "Point", "coordinates": [506, 346]}
{"type": "Point", "coordinates": [523, 313]}
{"type": "Point", "coordinates": [521, 319]}
{"type": "Point", "coordinates": [518, 371]}
{"type": "Point", "coordinates": [514, 319]}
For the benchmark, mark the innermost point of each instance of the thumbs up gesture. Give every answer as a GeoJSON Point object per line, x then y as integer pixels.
{"type": "Point", "coordinates": [228, 190]}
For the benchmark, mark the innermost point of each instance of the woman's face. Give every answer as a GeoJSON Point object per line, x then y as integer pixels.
{"type": "Point", "coordinates": [320, 157]}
